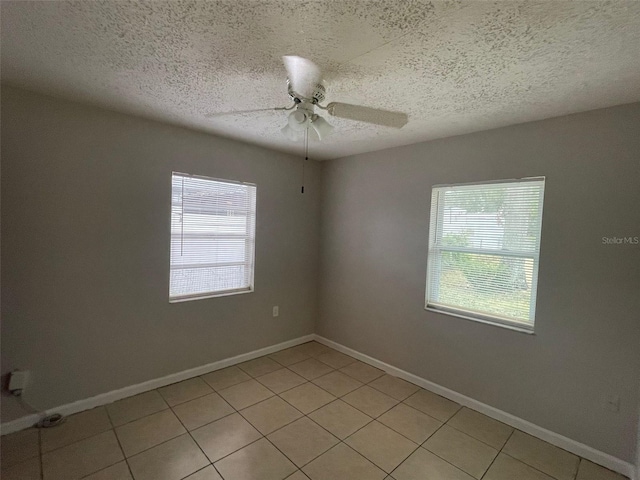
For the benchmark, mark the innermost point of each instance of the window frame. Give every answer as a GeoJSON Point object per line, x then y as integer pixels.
{"type": "Point", "coordinates": [219, 293]}
{"type": "Point", "coordinates": [435, 251]}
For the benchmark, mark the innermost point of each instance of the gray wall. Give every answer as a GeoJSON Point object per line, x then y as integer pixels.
{"type": "Point", "coordinates": [374, 237]}
{"type": "Point", "coordinates": [85, 250]}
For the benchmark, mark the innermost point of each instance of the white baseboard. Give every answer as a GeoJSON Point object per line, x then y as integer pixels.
{"type": "Point", "coordinates": [556, 439]}
{"type": "Point", "coordinates": [109, 397]}
{"type": "Point", "coordinates": [596, 456]}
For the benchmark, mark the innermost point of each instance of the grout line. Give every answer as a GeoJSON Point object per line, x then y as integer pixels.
{"type": "Point", "coordinates": [136, 419]}
{"type": "Point", "coordinates": [315, 409]}
{"type": "Point", "coordinates": [404, 459]}
{"type": "Point", "coordinates": [194, 399]}
{"type": "Point", "coordinates": [265, 436]}
{"type": "Point", "coordinates": [216, 469]}
{"type": "Point", "coordinates": [540, 471]}
{"type": "Point", "coordinates": [215, 390]}
{"type": "Point", "coordinates": [476, 439]}
{"type": "Point", "coordinates": [191, 399]}
{"type": "Point", "coordinates": [298, 470]}
{"type": "Point", "coordinates": [369, 423]}
{"type": "Point", "coordinates": [367, 414]}
{"type": "Point", "coordinates": [189, 431]}
{"type": "Point", "coordinates": [242, 416]}
{"type": "Point", "coordinates": [284, 426]}
{"type": "Point", "coordinates": [287, 389]}
{"type": "Point", "coordinates": [77, 441]}
{"type": "Point", "coordinates": [303, 415]}
{"type": "Point", "coordinates": [443, 423]}
{"type": "Point", "coordinates": [363, 384]}
{"type": "Point", "coordinates": [292, 363]}
{"type": "Point", "coordinates": [566, 443]}
{"type": "Point", "coordinates": [367, 459]}
{"type": "Point", "coordinates": [201, 449]}
{"type": "Point", "coordinates": [402, 434]}
{"type": "Point", "coordinates": [119, 444]}
{"type": "Point", "coordinates": [236, 450]}
{"type": "Point", "coordinates": [194, 441]}
{"type": "Point", "coordinates": [212, 421]}
{"type": "Point", "coordinates": [342, 440]}
{"type": "Point", "coordinates": [168, 407]}
{"type": "Point", "coordinates": [199, 470]}
{"type": "Point", "coordinates": [335, 395]}
{"type": "Point", "coordinates": [421, 445]}
{"type": "Point", "coordinates": [409, 406]}
{"type": "Point", "coordinates": [288, 423]}
{"type": "Point", "coordinates": [108, 466]}
{"type": "Point", "coordinates": [125, 458]}
{"type": "Point", "coordinates": [284, 454]}
{"type": "Point", "coordinates": [496, 457]}
{"type": "Point", "coordinates": [315, 423]}
{"type": "Point", "coordinates": [113, 428]}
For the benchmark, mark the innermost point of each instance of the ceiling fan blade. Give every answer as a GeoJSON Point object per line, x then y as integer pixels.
{"type": "Point", "coordinates": [303, 75]}
{"type": "Point", "coordinates": [238, 112]}
{"type": "Point", "coordinates": [367, 114]}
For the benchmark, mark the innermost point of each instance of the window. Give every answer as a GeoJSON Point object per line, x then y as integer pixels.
{"type": "Point", "coordinates": [213, 226]}
{"type": "Point", "coordinates": [484, 247]}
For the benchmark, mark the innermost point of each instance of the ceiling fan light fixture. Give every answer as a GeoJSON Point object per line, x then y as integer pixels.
{"type": "Point", "coordinates": [322, 128]}
{"type": "Point", "coordinates": [298, 121]}
{"type": "Point", "coordinates": [292, 134]}
{"type": "Point", "coordinates": [306, 89]}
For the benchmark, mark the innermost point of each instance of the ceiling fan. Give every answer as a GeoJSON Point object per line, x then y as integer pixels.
{"type": "Point", "coordinates": [305, 87]}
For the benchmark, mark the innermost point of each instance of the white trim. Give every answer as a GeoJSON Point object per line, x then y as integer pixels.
{"type": "Point", "coordinates": [489, 182]}
{"type": "Point", "coordinates": [486, 319]}
{"type": "Point", "coordinates": [221, 180]}
{"type": "Point", "coordinates": [109, 397]}
{"type": "Point", "coordinates": [188, 298]}
{"type": "Point", "coordinates": [437, 249]}
{"type": "Point", "coordinates": [596, 456]}
{"type": "Point", "coordinates": [580, 449]}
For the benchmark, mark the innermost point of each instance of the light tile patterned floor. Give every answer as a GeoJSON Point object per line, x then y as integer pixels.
{"type": "Point", "coordinates": [308, 412]}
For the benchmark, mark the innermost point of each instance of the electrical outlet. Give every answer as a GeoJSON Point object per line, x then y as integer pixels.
{"type": "Point", "coordinates": [276, 311]}
{"type": "Point", "coordinates": [18, 381]}
{"type": "Point", "coordinates": [612, 402]}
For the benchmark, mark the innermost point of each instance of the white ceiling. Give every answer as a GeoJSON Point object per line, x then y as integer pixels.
{"type": "Point", "coordinates": [453, 66]}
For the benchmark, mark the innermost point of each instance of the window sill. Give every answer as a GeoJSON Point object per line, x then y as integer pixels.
{"type": "Point", "coordinates": [496, 323]}
{"type": "Point", "coordinates": [208, 295]}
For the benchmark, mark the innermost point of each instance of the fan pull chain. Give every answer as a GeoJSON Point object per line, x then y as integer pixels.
{"type": "Point", "coordinates": [306, 155]}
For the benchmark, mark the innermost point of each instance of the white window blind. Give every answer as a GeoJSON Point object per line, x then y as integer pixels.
{"type": "Point", "coordinates": [212, 237]}
{"type": "Point", "coordinates": [484, 247]}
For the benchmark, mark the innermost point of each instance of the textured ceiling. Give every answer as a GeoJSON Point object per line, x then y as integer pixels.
{"type": "Point", "coordinates": [453, 66]}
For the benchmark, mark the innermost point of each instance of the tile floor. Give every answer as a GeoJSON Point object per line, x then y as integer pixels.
{"type": "Point", "coordinates": [308, 412]}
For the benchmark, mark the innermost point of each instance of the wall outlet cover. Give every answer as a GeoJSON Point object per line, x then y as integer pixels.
{"type": "Point", "coordinates": [18, 380]}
